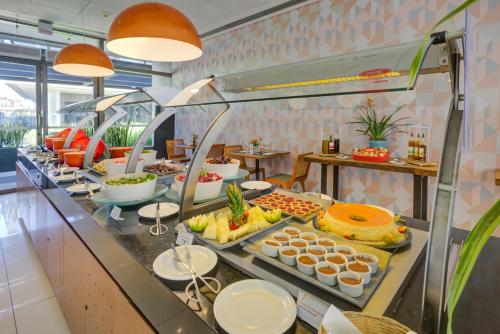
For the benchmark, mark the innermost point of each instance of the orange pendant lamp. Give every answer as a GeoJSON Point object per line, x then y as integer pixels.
{"type": "Point", "coordinates": [155, 32]}
{"type": "Point", "coordinates": [83, 60]}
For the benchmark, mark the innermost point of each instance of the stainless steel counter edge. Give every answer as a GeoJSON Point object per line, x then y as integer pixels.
{"type": "Point", "coordinates": [159, 306]}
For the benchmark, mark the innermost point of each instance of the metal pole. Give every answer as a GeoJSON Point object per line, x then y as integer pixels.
{"type": "Point", "coordinates": [94, 140]}
{"type": "Point", "coordinates": [436, 265]}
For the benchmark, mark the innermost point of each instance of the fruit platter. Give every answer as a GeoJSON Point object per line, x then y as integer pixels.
{"type": "Point", "coordinates": [235, 223]}
{"type": "Point", "coordinates": [222, 165]}
{"type": "Point", "coordinates": [300, 207]}
{"type": "Point", "coordinates": [369, 154]}
{"type": "Point", "coordinates": [348, 270]}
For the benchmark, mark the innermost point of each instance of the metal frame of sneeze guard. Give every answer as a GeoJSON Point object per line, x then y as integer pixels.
{"type": "Point", "coordinates": [77, 127]}
{"type": "Point", "coordinates": [434, 294]}
{"type": "Point", "coordinates": [94, 140]}
{"type": "Point", "coordinates": [174, 97]}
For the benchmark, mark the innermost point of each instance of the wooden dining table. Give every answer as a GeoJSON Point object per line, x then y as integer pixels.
{"type": "Point", "coordinates": [257, 156]}
{"type": "Point", "coordinates": [420, 176]}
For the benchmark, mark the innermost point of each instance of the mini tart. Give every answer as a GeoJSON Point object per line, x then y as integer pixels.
{"type": "Point", "coordinates": [362, 222]}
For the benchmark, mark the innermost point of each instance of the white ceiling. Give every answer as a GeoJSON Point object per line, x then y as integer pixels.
{"type": "Point", "coordinates": [205, 14]}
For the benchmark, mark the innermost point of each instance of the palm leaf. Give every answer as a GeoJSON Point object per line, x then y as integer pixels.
{"type": "Point", "coordinates": [415, 65]}
{"type": "Point", "coordinates": [473, 245]}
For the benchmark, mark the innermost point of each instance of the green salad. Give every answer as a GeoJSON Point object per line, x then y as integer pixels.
{"type": "Point", "coordinates": [131, 180]}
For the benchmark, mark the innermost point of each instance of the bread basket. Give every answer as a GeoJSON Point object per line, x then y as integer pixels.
{"type": "Point", "coordinates": [372, 324]}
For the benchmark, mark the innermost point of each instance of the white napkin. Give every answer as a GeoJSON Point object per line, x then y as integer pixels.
{"type": "Point", "coordinates": [334, 322]}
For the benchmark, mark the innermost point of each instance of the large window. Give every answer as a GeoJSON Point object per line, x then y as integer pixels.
{"type": "Point", "coordinates": [17, 104]}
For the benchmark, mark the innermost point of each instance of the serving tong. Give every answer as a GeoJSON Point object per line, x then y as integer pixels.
{"type": "Point", "coordinates": [88, 187]}
{"type": "Point", "coordinates": [158, 228]}
{"type": "Point", "coordinates": [194, 276]}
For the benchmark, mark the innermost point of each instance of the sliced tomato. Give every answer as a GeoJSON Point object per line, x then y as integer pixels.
{"type": "Point", "coordinates": [233, 226]}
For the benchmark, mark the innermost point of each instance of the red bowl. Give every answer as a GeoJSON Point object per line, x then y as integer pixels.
{"type": "Point", "coordinates": [61, 152]}
{"type": "Point", "coordinates": [57, 144]}
{"type": "Point", "coordinates": [119, 152]}
{"type": "Point", "coordinates": [48, 142]}
{"type": "Point", "coordinates": [384, 158]}
{"type": "Point", "coordinates": [74, 159]}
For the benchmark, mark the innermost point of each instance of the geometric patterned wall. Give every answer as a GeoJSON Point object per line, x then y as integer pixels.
{"type": "Point", "coordinates": [334, 27]}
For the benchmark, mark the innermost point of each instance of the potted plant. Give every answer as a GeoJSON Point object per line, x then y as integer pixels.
{"type": "Point", "coordinates": [11, 137]}
{"type": "Point", "coordinates": [378, 129]}
{"type": "Point", "coordinates": [254, 145]}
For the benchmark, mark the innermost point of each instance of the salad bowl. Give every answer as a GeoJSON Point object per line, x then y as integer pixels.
{"type": "Point", "coordinates": [223, 166]}
{"type": "Point", "coordinates": [129, 187]}
{"type": "Point", "coordinates": [118, 166]}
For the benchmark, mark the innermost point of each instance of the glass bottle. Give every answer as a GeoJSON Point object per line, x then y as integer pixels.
{"type": "Point", "coordinates": [422, 149]}
{"type": "Point", "coordinates": [411, 147]}
{"type": "Point", "coordinates": [331, 145]}
{"type": "Point", "coordinates": [416, 150]}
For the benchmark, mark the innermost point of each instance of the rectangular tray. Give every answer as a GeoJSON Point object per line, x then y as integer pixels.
{"type": "Point", "coordinates": [324, 204]}
{"type": "Point", "coordinates": [147, 169]}
{"type": "Point", "coordinates": [253, 246]}
{"type": "Point", "coordinates": [199, 236]}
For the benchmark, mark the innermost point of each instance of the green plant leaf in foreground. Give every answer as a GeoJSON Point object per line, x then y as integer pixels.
{"type": "Point", "coordinates": [425, 40]}
{"type": "Point", "coordinates": [473, 245]}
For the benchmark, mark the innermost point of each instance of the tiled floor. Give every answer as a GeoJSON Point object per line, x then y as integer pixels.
{"type": "Point", "coordinates": [27, 301]}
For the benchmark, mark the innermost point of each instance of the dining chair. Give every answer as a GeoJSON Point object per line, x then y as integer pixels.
{"type": "Point", "coordinates": [299, 174]}
{"type": "Point", "coordinates": [217, 150]}
{"type": "Point", "coordinates": [243, 164]}
{"type": "Point", "coordinates": [176, 153]}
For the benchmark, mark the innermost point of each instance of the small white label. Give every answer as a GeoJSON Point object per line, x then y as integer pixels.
{"type": "Point", "coordinates": [311, 309]}
{"type": "Point", "coordinates": [115, 213]}
{"type": "Point", "coordinates": [184, 238]}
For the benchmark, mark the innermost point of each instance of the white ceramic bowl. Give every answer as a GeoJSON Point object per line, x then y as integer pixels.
{"type": "Point", "coordinates": [373, 260]}
{"type": "Point", "coordinates": [341, 265]}
{"type": "Point", "coordinates": [311, 249]}
{"type": "Point", "coordinates": [328, 279]}
{"type": "Point", "coordinates": [348, 250]}
{"type": "Point", "coordinates": [226, 170]}
{"type": "Point", "coordinates": [327, 243]}
{"type": "Point", "coordinates": [269, 249]}
{"type": "Point", "coordinates": [297, 242]}
{"type": "Point", "coordinates": [149, 157]}
{"type": "Point", "coordinates": [129, 192]}
{"type": "Point", "coordinates": [204, 191]}
{"type": "Point", "coordinates": [289, 260]}
{"type": "Point", "coordinates": [281, 237]}
{"type": "Point", "coordinates": [353, 290]}
{"type": "Point", "coordinates": [118, 166]}
{"type": "Point", "coordinates": [292, 231]}
{"type": "Point", "coordinates": [309, 236]}
{"type": "Point", "coordinates": [307, 269]}
{"type": "Point", "coordinates": [366, 275]}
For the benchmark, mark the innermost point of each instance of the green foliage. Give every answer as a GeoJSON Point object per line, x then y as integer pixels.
{"type": "Point", "coordinates": [468, 255]}
{"type": "Point", "coordinates": [415, 65]}
{"type": "Point", "coordinates": [377, 129]}
{"type": "Point", "coordinates": [12, 135]}
{"type": "Point", "coordinates": [124, 135]}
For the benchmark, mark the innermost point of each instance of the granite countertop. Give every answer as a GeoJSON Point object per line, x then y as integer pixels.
{"type": "Point", "coordinates": [127, 251]}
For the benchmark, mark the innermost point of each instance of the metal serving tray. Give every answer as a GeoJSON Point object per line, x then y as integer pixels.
{"type": "Point", "coordinates": [324, 203]}
{"type": "Point", "coordinates": [199, 236]}
{"type": "Point", "coordinates": [253, 246]}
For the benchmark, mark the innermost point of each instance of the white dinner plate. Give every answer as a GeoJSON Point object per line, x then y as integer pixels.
{"type": "Point", "coordinates": [258, 185]}
{"type": "Point", "coordinates": [65, 178]}
{"type": "Point", "coordinates": [262, 307]}
{"type": "Point", "coordinates": [166, 209]}
{"type": "Point", "coordinates": [319, 195]}
{"type": "Point", "coordinates": [203, 259]}
{"type": "Point", "coordinates": [397, 162]}
{"type": "Point", "coordinates": [67, 170]}
{"type": "Point", "coordinates": [80, 188]}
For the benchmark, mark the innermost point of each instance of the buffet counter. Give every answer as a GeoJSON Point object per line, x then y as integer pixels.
{"type": "Point", "coordinates": [125, 252]}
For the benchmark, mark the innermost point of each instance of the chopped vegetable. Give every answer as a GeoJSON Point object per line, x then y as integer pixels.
{"type": "Point", "coordinates": [198, 223]}
{"type": "Point", "coordinates": [273, 216]}
{"type": "Point", "coordinates": [125, 180]}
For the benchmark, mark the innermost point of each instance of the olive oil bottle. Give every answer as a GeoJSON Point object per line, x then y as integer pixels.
{"type": "Point", "coordinates": [411, 147]}
{"type": "Point", "coordinates": [422, 150]}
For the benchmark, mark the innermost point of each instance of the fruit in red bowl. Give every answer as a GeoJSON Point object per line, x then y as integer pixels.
{"type": "Point", "coordinates": [371, 154]}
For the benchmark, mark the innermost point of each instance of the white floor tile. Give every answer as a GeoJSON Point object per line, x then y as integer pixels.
{"type": "Point", "coordinates": [15, 241]}
{"type": "Point", "coordinates": [7, 324]}
{"type": "Point", "coordinates": [24, 270]}
{"type": "Point", "coordinates": [29, 292]}
{"type": "Point", "coordinates": [19, 253]}
{"type": "Point", "coordinates": [41, 318]}
{"type": "Point", "coordinates": [3, 277]}
{"type": "Point", "coordinates": [5, 303]}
